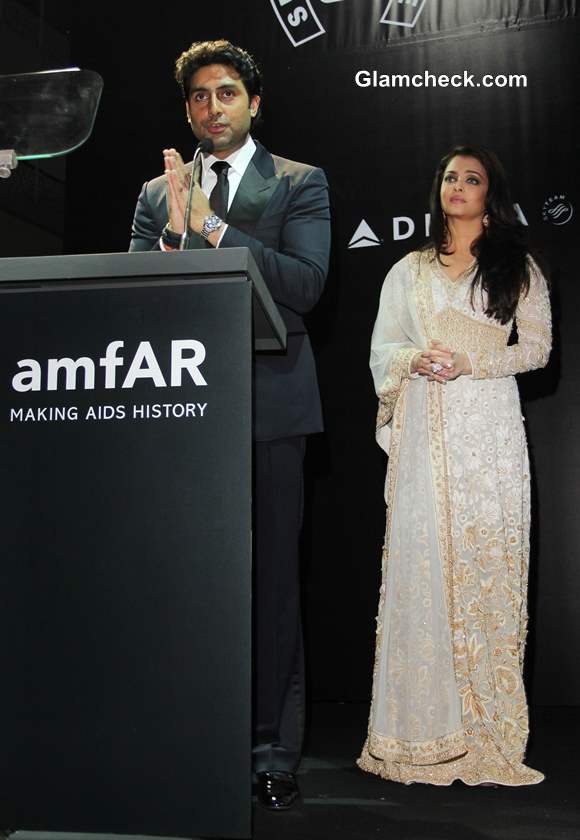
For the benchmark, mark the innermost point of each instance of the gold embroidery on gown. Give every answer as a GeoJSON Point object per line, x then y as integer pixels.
{"type": "Point", "coordinates": [448, 698]}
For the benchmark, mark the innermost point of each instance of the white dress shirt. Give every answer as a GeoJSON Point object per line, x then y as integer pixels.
{"type": "Point", "coordinates": [238, 162]}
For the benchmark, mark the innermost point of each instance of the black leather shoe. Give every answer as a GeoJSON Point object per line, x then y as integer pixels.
{"type": "Point", "coordinates": [277, 790]}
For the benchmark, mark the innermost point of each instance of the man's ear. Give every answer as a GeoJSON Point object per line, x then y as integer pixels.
{"type": "Point", "coordinates": [254, 105]}
{"type": "Point", "coordinates": [187, 112]}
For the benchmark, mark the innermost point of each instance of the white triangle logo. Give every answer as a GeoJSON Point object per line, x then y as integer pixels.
{"type": "Point", "coordinates": [364, 237]}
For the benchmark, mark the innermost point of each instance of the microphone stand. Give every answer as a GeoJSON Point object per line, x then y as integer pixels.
{"type": "Point", "coordinates": [203, 146]}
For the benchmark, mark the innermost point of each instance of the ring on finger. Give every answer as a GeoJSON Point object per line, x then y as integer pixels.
{"type": "Point", "coordinates": [436, 367]}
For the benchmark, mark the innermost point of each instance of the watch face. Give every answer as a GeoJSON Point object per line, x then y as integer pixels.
{"type": "Point", "coordinates": [210, 223]}
{"type": "Point", "coordinates": [213, 222]}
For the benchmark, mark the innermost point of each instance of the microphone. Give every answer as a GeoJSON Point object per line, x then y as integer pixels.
{"type": "Point", "coordinates": [205, 146]}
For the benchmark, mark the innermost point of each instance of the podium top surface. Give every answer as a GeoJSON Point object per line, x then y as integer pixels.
{"type": "Point", "coordinates": [198, 266]}
{"type": "Point", "coordinates": [216, 262]}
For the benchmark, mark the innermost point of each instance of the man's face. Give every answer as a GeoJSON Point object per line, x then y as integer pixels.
{"type": "Point", "coordinates": [219, 108]}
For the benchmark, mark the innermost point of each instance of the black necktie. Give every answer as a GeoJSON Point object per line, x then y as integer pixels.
{"type": "Point", "coordinates": [218, 199]}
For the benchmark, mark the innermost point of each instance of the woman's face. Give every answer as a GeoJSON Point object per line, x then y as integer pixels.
{"type": "Point", "coordinates": [464, 188]}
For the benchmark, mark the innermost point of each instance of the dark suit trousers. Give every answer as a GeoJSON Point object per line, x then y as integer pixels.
{"type": "Point", "coordinates": [278, 649]}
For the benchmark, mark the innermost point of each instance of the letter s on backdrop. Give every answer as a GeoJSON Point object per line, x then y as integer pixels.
{"type": "Point", "coordinates": [298, 16]}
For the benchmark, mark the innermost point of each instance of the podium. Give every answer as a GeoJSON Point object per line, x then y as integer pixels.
{"type": "Point", "coordinates": [125, 626]}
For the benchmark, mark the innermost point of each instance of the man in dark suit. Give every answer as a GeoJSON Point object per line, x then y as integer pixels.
{"type": "Point", "coordinates": [279, 210]}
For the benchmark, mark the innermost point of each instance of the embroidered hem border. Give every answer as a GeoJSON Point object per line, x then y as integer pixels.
{"type": "Point", "coordinates": [471, 768]}
{"type": "Point", "coordinates": [417, 752]}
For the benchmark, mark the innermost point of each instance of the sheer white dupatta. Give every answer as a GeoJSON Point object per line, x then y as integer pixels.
{"type": "Point", "coordinates": [397, 336]}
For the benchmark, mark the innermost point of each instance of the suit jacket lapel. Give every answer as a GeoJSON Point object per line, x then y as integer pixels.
{"type": "Point", "coordinates": [254, 192]}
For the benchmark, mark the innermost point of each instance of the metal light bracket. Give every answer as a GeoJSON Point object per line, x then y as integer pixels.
{"type": "Point", "coordinates": [8, 162]}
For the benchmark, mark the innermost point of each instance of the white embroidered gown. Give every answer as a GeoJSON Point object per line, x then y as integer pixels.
{"type": "Point", "coordinates": [448, 698]}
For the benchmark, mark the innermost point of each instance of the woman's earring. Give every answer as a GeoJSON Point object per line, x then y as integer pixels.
{"type": "Point", "coordinates": [485, 220]}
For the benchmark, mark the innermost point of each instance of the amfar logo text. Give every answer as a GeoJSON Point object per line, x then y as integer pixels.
{"type": "Point", "coordinates": [144, 365]}
{"type": "Point", "coordinates": [301, 24]}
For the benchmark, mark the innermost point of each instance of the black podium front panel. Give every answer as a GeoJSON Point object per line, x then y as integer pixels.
{"type": "Point", "coordinates": [125, 583]}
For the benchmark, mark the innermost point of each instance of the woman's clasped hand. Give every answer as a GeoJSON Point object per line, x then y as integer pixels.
{"type": "Point", "coordinates": [440, 364]}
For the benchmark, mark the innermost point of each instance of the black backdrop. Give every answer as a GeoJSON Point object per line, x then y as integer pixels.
{"type": "Point", "coordinates": [379, 147]}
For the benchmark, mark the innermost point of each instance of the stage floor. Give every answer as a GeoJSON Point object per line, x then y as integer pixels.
{"type": "Point", "coordinates": [340, 802]}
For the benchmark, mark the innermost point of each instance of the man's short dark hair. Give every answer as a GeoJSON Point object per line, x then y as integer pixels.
{"type": "Point", "coordinates": [202, 53]}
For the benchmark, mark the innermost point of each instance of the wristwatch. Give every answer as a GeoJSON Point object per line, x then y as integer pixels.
{"type": "Point", "coordinates": [210, 223]}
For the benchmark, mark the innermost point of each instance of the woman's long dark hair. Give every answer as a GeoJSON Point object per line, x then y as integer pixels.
{"type": "Point", "coordinates": [501, 251]}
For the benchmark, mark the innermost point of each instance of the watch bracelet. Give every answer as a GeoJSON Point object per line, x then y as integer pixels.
{"type": "Point", "coordinates": [170, 237]}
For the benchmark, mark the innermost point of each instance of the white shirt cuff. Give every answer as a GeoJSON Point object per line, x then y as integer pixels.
{"type": "Point", "coordinates": [222, 231]}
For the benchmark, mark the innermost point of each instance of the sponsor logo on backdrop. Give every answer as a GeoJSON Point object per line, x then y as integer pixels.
{"type": "Point", "coordinates": [403, 227]}
{"type": "Point", "coordinates": [557, 209]}
{"type": "Point", "coordinates": [300, 22]}
{"type": "Point", "coordinates": [364, 237]}
{"type": "Point", "coordinates": [186, 359]}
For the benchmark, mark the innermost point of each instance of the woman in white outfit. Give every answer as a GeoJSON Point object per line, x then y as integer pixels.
{"type": "Point", "coordinates": [448, 697]}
